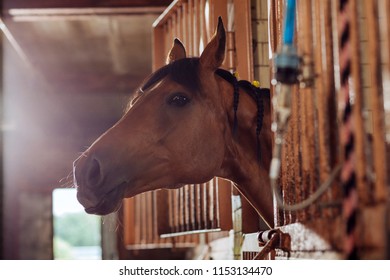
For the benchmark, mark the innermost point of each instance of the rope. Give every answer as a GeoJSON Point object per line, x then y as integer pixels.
{"type": "Point", "coordinates": [348, 176]}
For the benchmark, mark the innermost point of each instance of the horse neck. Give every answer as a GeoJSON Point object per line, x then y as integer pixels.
{"type": "Point", "coordinates": [241, 164]}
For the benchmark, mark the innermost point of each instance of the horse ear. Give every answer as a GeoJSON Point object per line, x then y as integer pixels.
{"type": "Point", "coordinates": [177, 51]}
{"type": "Point", "coordinates": [214, 53]}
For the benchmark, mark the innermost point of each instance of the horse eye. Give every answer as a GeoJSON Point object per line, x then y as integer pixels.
{"type": "Point", "coordinates": [178, 100]}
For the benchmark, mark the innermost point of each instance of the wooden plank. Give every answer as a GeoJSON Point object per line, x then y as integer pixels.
{"type": "Point", "coordinates": [376, 97]}
{"type": "Point", "coordinates": [363, 185]}
{"type": "Point", "coordinates": [163, 211]}
{"type": "Point", "coordinates": [158, 44]}
{"type": "Point", "coordinates": [205, 201]}
{"type": "Point", "coordinates": [307, 121]}
{"type": "Point", "coordinates": [202, 27]}
{"type": "Point", "coordinates": [243, 33]}
{"type": "Point", "coordinates": [149, 220]}
{"type": "Point", "coordinates": [26, 15]}
{"type": "Point", "coordinates": [176, 209]}
{"type": "Point", "coordinates": [296, 135]}
{"type": "Point", "coordinates": [167, 14]}
{"type": "Point", "coordinates": [198, 200]}
{"type": "Point", "coordinates": [190, 27]}
{"type": "Point", "coordinates": [196, 38]}
{"type": "Point", "coordinates": [191, 208]}
{"type": "Point", "coordinates": [171, 207]}
{"type": "Point", "coordinates": [212, 204]}
{"type": "Point", "coordinates": [331, 96]}
{"type": "Point", "coordinates": [137, 220]}
{"type": "Point", "coordinates": [187, 205]}
{"type": "Point", "coordinates": [181, 210]}
{"type": "Point", "coordinates": [325, 96]}
{"type": "Point", "coordinates": [387, 13]}
{"type": "Point", "coordinates": [128, 218]}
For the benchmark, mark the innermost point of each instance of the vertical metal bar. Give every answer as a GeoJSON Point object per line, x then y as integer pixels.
{"type": "Point", "coordinates": [275, 39]}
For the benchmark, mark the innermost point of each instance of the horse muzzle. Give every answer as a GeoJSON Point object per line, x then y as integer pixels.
{"type": "Point", "coordinates": [93, 192]}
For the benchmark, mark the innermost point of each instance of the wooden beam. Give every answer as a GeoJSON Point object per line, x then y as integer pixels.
{"type": "Point", "coordinates": [24, 15]}
{"type": "Point", "coordinates": [50, 4]}
{"type": "Point", "coordinates": [22, 10]}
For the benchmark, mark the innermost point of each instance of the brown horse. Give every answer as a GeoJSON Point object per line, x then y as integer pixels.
{"type": "Point", "coordinates": [179, 130]}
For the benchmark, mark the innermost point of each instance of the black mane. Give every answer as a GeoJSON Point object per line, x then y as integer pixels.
{"type": "Point", "coordinates": [183, 71]}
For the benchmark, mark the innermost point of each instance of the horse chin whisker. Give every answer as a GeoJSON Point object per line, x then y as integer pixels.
{"type": "Point", "coordinates": [67, 182]}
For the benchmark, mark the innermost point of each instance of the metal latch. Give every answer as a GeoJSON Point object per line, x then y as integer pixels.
{"type": "Point", "coordinates": [271, 240]}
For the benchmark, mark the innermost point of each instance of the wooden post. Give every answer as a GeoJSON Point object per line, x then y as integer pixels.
{"type": "Point", "coordinates": [376, 97]}
{"type": "Point", "coordinates": [243, 39]}
{"type": "Point", "coordinates": [305, 43]}
{"type": "Point", "coordinates": [360, 133]}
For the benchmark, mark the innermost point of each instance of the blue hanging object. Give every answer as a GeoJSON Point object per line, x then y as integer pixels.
{"type": "Point", "coordinates": [289, 23]}
{"type": "Point", "coordinates": [287, 61]}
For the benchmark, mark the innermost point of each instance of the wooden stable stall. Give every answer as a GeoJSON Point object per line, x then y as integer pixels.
{"type": "Point", "coordinates": [334, 62]}
{"type": "Point", "coordinates": [314, 143]}
{"type": "Point", "coordinates": [167, 218]}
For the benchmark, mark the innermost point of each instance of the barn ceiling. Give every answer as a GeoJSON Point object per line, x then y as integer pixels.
{"type": "Point", "coordinates": [83, 45]}
{"type": "Point", "coordinates": [69, 69]}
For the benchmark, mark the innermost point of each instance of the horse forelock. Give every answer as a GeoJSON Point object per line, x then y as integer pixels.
{"type": "Point", "coordinates": [183, 71]}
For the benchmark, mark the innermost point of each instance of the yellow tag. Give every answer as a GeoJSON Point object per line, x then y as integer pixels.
{"type": "Point", "coordinates": [256, 84]}
{"type": "Point", "coordinates": [235, 73]}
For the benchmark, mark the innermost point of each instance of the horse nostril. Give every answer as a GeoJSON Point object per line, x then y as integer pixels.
{"type": "Point", "coordinates": [94, 175]}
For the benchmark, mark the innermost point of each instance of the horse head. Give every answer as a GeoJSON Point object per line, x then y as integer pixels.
{"type": "Point", "coordinates": [176, 131]}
